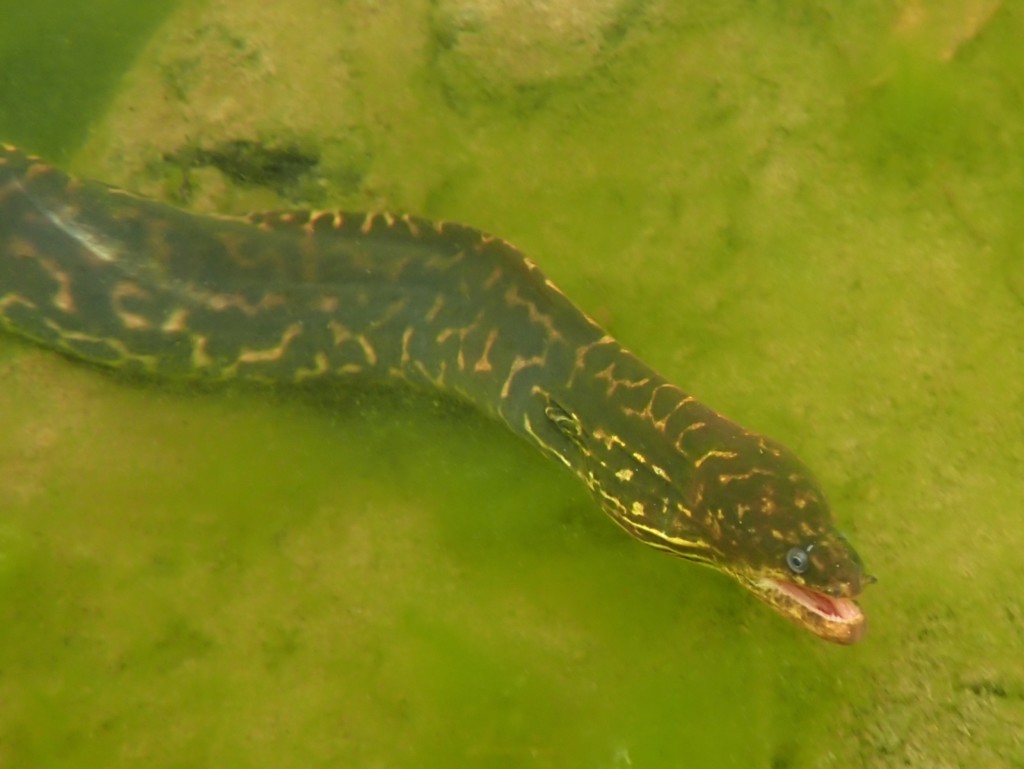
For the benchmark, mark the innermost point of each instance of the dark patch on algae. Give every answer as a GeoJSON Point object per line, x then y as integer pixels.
{"type": "Point", "coordinates": [280, 168]}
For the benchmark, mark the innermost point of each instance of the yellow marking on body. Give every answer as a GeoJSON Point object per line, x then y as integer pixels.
{"type": "Point", "coordinates": [688, 555]}
{"type": "Point", "coordinates": [390, 312]}
{"type": "Point", "coordinates": [67, 337]}
{"type": "Point", "coordinates": [483, 365]}
{"type": "Point", "coordinates": [371, 354]}
{"type": "Point", "coordinates": [200, 358]}
{"type": "Point", "coordinates": [639, 457]}
{"type": "Point", "coordinates": [518, 365]}
{"type": "Point", "coordinates": [314, 217]}
{"type": "Point", "coordinates": [729, 478]}
{"type": "Point", "coordinates": [261, 378]}
{"type": "Point", "coordinates": [638, 509]}
{"type": "Point", "coordinates": [62, 298]}
{"type": "Point", "coordinates": [133, 321]}
{"type": "Point", "coordinates": [513, 299]}
{"type": "Point", "coordinates": [494, 277]}
{"type": "Point", "coordinates": [321, 365]}
{"type": "Point", "coordinates": [528, 426]}
{"type": "Point", "coordinates": [418, 365]}
{"type": "Point", "coordinates": [553, 287]}
{"type": "Point", "coordinates": [670, 541]}
{"type": "Point", "coordinates": [367, 226]}
{"type": "Point", "coordinates": [439, 378]}
{"type": "Point", "coordinates": [631, 384]}
{"type": "Point", "coordinates": [38, 168]}
{"type": "Point", "coordinates": [270, 354]}
{"type": "Point", "coordinates": [726, 478]}
{"type": "Point", "coordinates": [609, 440]}
{"type": "Point", "coordinates": [608, 374]}
{"type": "Point", "coordinates": [21, 248]}
{"type": "Point", "coordinates": [127, 288]}
{"type": "Point", "coordinates": [410, 223]}
{"type": "Point", "coordinates": [579, 363]}
{"type": "Point", "coordinates": [684, 510]}
{"type": "Point", "coordinates": [328, 304]}
{"type": "Point", "coordinates": [442, 263]}
{"type": "Point", "coordinates": [660, 472]}
{"type": "Point", "coordinates": [620, 509]}
{"type": "Point", "coordinates": [461, 333]}
{"type": "Point", "coordinates": [349, 368]}
{"type": "Point", "coordinates": [661, 424]}
{"type": "Point", "coordinates": [221, 302]}
{"type": "Point", "coordinates": [625, 474]}
{"type": "Point", "coordinates": [176, 321]}
{"type": "Point", "coordinates": [406, 338]}
{"type": "Point", "coordinates": [715, 453]}
{"type": "Point", "coordinates": [14, 299]}
{"type": "Point", "coordinates": [434, 309]}
{"type": "Point", "coordinates": [340, 333]}
{"type": "Point", "coordinates": [692, 427]}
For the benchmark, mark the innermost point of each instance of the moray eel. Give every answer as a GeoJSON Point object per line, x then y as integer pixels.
{"type": "Point", "coordinates": [109, 277]}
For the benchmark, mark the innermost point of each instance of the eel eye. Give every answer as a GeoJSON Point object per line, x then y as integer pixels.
{"type": "Point", "coordinates": [797, 560]}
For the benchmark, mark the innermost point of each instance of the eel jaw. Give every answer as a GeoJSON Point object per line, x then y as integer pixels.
{"type": "Point", "coordinates": [839, 620]}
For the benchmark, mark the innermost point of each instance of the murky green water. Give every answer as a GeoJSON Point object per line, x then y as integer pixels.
{"type": "Point", "coordinates": [805, 214]}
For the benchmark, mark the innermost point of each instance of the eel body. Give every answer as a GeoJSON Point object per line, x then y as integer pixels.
{"type": "Point", "coordinates": [106, 276]}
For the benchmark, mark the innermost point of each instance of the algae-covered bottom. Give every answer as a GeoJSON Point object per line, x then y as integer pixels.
{"type": "Point", "coordinates": [327, 577]}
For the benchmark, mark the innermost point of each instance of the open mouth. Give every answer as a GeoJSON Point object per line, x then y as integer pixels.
{"type": "Point", "coordinates": [835, 619]}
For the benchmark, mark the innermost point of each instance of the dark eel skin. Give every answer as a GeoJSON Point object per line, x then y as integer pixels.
{"type": "Point", "coordinates": [103, 275]}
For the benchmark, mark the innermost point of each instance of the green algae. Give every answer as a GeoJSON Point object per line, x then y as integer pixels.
{"type": "Point", "coordinates": [803, 213]}
{"type": "Point", "coordinates": [61, 62]}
